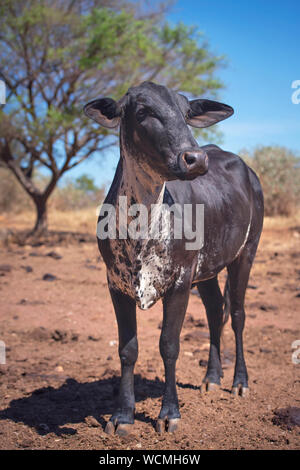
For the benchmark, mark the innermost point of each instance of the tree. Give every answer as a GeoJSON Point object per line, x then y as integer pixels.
{"type": "Point", "coordinates": [56, 55]}
{"type": "Point", "coordinates": [85, 183]}
{"type": "Point", "coordinates": [278, 169]}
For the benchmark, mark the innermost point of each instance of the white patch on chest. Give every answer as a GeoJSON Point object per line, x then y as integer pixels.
{"type": "Point", "coordinates": [143, 271]}
{"type": "Point", "coordinates": [151, 278]}
{"type": "Point", "coordinates": [143, 268]}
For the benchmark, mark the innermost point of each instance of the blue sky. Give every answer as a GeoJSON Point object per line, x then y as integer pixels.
{"type": "Point", "coordinates": [261, 41]}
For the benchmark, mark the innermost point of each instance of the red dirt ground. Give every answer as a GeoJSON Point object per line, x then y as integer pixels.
{"type": "Point", "coordinates": [58, 385]}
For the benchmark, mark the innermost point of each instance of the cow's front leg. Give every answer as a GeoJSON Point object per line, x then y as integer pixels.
{"type": "Point", "coordinates": [123, 416]}
{"type": "Point", "coordinates": [174, 306]}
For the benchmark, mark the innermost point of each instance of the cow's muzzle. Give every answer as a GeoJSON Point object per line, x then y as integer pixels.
{"type": "Point", "coordinates": [192, 163]}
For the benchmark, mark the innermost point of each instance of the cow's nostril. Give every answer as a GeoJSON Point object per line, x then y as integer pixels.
{"type": "Point", "coordinates": [189, 158]}
{"type": "Point", "coordinates": [192, 163]}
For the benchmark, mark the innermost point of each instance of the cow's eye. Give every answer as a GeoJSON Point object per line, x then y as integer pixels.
{"type": "Point", "coordinates": [141, 114]}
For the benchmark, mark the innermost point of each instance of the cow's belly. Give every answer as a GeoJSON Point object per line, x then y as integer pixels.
{"type": "Point", "coordinates": [142, 270]}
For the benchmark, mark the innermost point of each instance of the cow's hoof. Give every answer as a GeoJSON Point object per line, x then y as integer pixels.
{"type": "Point", "coordinates": [124, 429]}
{"type": "Point", "coordinates": [110, 428]}
{"type": "Point", "coordinates": [208, 386]}
{"type": "Point", "coordinates": [121, 429]}
{"type": "Point", "coordinates": [240, 390]}
{"type": "Point", "coordinates": [168, 425]}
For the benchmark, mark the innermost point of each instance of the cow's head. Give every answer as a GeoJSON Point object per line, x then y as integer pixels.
{"type": "Point", "coordinates": [154, 128]}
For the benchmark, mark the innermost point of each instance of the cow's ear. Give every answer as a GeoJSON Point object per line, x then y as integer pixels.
{"type": "Point", "coordinates": [105, 111]}
{"type": "Point", "coordinates": [204, 113]}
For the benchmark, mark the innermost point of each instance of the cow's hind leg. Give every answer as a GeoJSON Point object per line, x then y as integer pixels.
{"type": "Point", "coordinates": [238, 275]}
{"type": "Point", "coordinates": [213, 301]}
{"type": "Point", "coordinates": [174, 307]}
{"type": "Point", "coordinates": [123, 416]}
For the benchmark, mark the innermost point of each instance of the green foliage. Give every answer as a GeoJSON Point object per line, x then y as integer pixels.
{"type": "Point", "coordinates": [68, 52]}
{"type": "Point", "coordinates": [56, 55]}
{"type": "Point", "coordinates": [279, 171]}
{"type": "Point", "coordinates": [85, 183]}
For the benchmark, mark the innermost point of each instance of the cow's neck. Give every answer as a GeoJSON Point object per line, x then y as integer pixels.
{"type": "Point", "coordinates": [139, 184]}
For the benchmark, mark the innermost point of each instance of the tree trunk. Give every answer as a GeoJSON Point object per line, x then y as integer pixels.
{"type": "Point", "coordinates": [41, 224]}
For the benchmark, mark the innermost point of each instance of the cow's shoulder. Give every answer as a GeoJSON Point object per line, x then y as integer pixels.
{"type": "Point", "coordinates": [223, 159]}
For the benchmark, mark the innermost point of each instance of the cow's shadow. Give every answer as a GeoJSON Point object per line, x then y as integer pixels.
{"type": "Point", "coordinates": [49, 409]}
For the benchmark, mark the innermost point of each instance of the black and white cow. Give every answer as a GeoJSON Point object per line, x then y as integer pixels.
{"type": "Point", "coordinates": [161, 164]}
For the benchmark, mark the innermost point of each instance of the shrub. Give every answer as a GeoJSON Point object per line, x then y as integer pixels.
{"type": "Point", "coordinates": [72, 197]}
{"type": "Point", "coordinates": [278, 169]}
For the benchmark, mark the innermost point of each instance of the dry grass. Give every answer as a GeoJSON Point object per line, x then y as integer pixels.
{"type": "Point", "coordinates": [85, 220]}
{"type": "Point", "coordinates": [281, 222]}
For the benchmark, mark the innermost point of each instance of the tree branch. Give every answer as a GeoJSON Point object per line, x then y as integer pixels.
{"type": "Point", "coordinates": [26, 182]}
